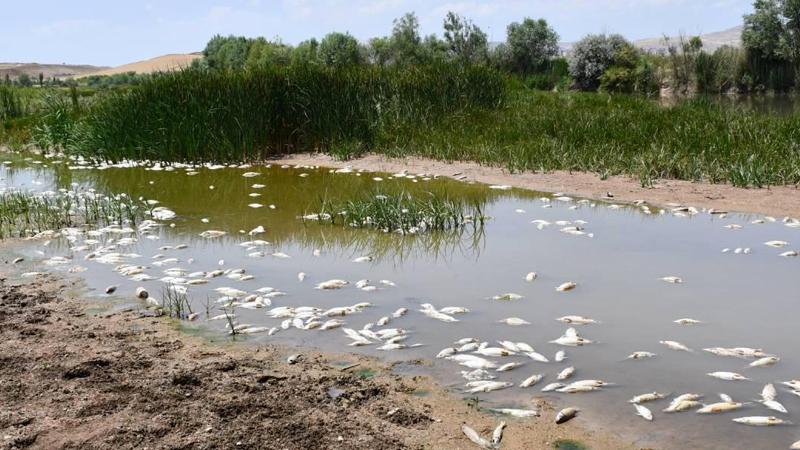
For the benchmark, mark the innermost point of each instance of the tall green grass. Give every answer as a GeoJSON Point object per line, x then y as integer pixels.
{"type": "Point", "coordinates": [24, 214]}
{"type": "Point", "coordinates": [616, 134]}
{"type": "Point", "coordinates": [197, 115]}
{"type": "Point", "coordinates": [403, 213]}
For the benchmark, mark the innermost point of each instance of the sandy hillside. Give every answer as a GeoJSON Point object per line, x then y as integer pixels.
{"type": "Point", "coordinates": [162, 63]}
{"type": "Point", "coordinates": [711, 41]}
{"type": "Point", "coordinates": [48, 70]}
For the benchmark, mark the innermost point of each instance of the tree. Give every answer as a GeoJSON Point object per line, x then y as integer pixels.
{"type": "Point", "coordinates": [591, 56]}
{"type": "Point", "coordinates": [24, 80]}
{"type": "Point", "coordinates": [339, 50]}
{"type": "Point", "coordinates": [306, 52]}
{"type": "Point", "coordinates": [763, 29]}
{"type": "Point", "coordinates": [41, 79]}
{"type": "Point", "coordinates": [531, 44]}
{"type": "Point", "coordinates": [791, 37]}
{"type": "Point", "coordinates": [405, 42]}
{"type": "Point", "coordinates": [379, 51]}
{"type": "Point", "coordinates": [465, 41]}
{"type": "Point", "coordinates": [262, 52]}
{"type": "Point", "coordinates": [227, 52]}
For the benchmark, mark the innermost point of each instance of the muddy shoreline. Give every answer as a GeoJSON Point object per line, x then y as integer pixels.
{"type": "Point", "coordinates": [78, 374]}
{"type": "Point", "coordinates": [777, 200]}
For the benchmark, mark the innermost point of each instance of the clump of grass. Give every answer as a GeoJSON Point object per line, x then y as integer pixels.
{"type": "Point", "coordinates": [175, 304]}
{"type": "Point", "coordinates": [24, 214]}
{"type": "Point", "coordinates": [403, 213]}
{"type": "Point", "coordinates": [13, 105]}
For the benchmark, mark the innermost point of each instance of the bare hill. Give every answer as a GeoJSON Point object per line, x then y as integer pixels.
{"type": "Point", "coordinates": [711, 41]}
{"type": "Point", "coordinates": [48, 70]}
{"type": "Point", "coordinates": [164, 63]}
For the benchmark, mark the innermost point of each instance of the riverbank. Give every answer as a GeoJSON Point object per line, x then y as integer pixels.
{"type": "Point", "coordinates": [80, 375]}
{"type": "Point", "coordinates": [778, 200]}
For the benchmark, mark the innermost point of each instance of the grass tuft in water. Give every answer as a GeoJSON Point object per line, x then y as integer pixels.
{"type": "Point", "coordinates": [402, 213]}
{"type": "Point", "coordinates": [24, 214]}
{"type": "Point", "coordinates": [175, 304]}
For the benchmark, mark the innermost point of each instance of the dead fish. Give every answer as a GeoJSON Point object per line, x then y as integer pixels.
{"type": "Point", "coordinates": [561, 355]}
{"type": "Point", "coordinates": [514, 321]}
{"type": "Point", "coordinates": [476, 438]}
{"type": "Point", "coordinates": [507, 296]}
{"type": "Point", "coordinates": [642, 411]}
{"type": "Point", "coordinates": [520, 413]}
{"type": "Point", "coordinates": [649, 397]}
{"type": "Point", "coordinates": [449, 351]}
{"type": "Point", "coordinates": [683, 405]}
{"type": "Point", "coordinates": [776, 244]}
{"type": "Point", "coordinates": [761, 421]}
{"type": "Point", "coordinates": [332, 284]}
{"type": "Point", "coordinates": [17, 260]}
{"type": "Point", "coordinates": [720, 407]}
{"type": "Point", "coordinates": [531, 380]}
{"type": "Point", "coordinates": [142, 293]}
{"type": "Point", "coordinates": [795, 446]}
{"type": "Point", "coordinates": [490, 386]}
{"type": "Point", "coordinates": [497, 435]}
{"type": "Point", "coordinates": [775, 406]}
{"type": "Point", "coordinates": [301, 276]}
{"type": "Point", "coordinates": [566, 373]}
{"type": "Point", "coordinates": [673, 345]}
{"type": "Point", "coordinates": [577, 389]}
{"type": "Point", "coordinates": [728, 376]}
{"type": "Point", "coordinates": [509, 366]}
{"type": "Point", "coordinates": [293, 359]}
{"type": "Point", "coordinates": [672, 279]}
{"type": "Point", "coordinates": [687, 321]}
{"type": "Point", "coordinates": [111, 289]}
{"type": "Point", "coordinates": [531, 276]}
{"type": "Point", "coordinates": [641, 355]}
{"type": "Point", "coordinates": [568, 286]}
{"type": "Point", "coordinates": [454, 310]}
{"type": "Point", "coordinates": [765, 361]}
{"type": "Point", "coordinates": [769, 392]}
{"type": "Point", "coordinates": [577, 320]}
{"type": "Point", "coordinates": [552, 387]}
{"type": "Point", "coordinates": [363, 259]}
{"type": "Point", "coordinates": [789, 254]}
{"type": "Point", "coordinates": [537, 357]}
{"type": "Point", "coordinates": [566, 415]}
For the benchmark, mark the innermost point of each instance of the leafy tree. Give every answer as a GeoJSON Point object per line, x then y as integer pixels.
{"type": "Point", "coordinates": [763, 29]}
{"type": "Point", "coordinates": [339, 50]}
{"type": "Point", "coordinates": [227, 52]}
{"type": "Point", "coordinates": [379, 50]}
{"type": "Point", "coordinates": [262, 52]}
{"type": "Point", "coordinates": [405, 42]}
{"type": "Point", "coordinates": [24, 80]}
{"type": "Point", "coordinates": [592, 55]}
{"type": "Point", "coordinates": [464, 40]}
{"type": "Point", "coordinates": [531, 44]}
{"type": "Point", "coordinates": [306, 52]}
{"type": "Point", "coordinates": [41, 79]}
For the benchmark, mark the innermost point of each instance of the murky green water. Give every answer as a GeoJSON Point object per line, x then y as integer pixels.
{"type": "Point", "coordinates": [745, 299]}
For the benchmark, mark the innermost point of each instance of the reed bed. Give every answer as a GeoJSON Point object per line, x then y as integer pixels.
{"type": "Point", "coordinates": [616, 135]}
{"type": "Point", "coordinates": [403, 213]}
{"type": "Point", "coordinates": [197, 115]}
{"type": "Point", "coordinates": [24, 214]}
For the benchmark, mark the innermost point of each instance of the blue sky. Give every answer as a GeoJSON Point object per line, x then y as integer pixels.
{"type": "Point", "coordinates": [106, 32]}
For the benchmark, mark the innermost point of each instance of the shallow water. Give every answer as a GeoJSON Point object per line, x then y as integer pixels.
{"type": "Point", "coordinates": [745, 299]}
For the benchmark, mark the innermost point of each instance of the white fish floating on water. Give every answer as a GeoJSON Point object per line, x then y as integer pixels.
{"type": "Point", "coordinates": [488, 386]}
{"type": "Point", "coordinates": [507, 296]}
{"type": "Point", "coordinates": [789, 254]}
{"type": "Point", "coordinates": [552, 387]}
{"type": "Point", "coordinates": [514, 321]}
{"type": "Point", "coordinates": [570, 338]}
{"type": "Point", "coordinates": [776, 244]}
{"type": "Point", "coordinates": [761, 421]}
{"type": "Point", "coordinates": [560, 356]}
{"type": "Point", "coordinates": [649, 397]}
{"type": "Point", "coordinates": [643, 412]}
{"type": "Point", "coordinates": [765, 361]}
{"type": "Point", "coordinates": [687, 321]}
{"type": "Point", "coordinates": [673, 345]}
{"type": "Point", "coordinates": [576, 320]}
{"type": "Point", "coordinates": [641, 355]}
{"type": "Point", "coordinates": [720, 407]}
{"type": "Point", "coordinates": [332, 284]}
{"type": "Point", "coordinates": [531, 380]}
{"type": "Point", "coordinates": [769, 392]}
{"type": "Point", "coordinates": [775, 406]}
{"type": "Point", "coordinates": [567, 286]}
{"type": "Point", "coordinates": [509, 366]}
{"type": "Point", "coordinates": [531, 276]}
{"type": "Point", "coordinates": [566, 373]}
{"type": "Point", "coordinates": [363, 259]}
{"type": "Point", "coordinates": [672, 279]}
{"type": "Point", "coordinates": [728, 376]}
